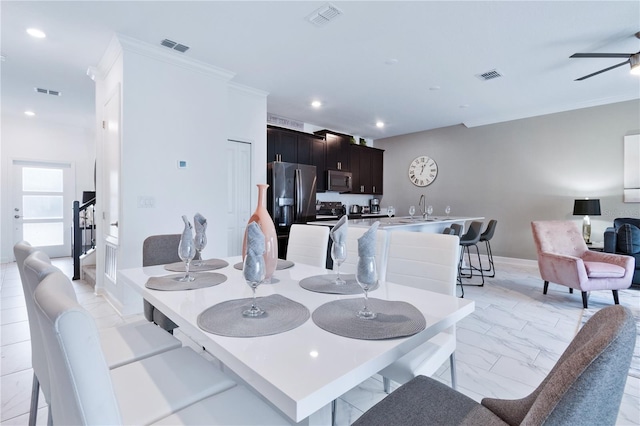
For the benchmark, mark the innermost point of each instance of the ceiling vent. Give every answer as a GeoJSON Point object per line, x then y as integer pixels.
{"type": "Point", "coordinates": [173, 45]}
{"type": "Point", "coordinates": [48, 92]}
{"type": "Point", "coordinates": [489, 75]}
{"type": "Point", "coordinates": [324, 15]}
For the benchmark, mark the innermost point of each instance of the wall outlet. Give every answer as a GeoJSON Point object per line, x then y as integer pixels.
{"type": "Point", "coordinates": [146, 202]}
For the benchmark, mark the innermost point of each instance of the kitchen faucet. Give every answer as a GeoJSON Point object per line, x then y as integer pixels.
{"type": "Point", "coordinates": [423, 206]}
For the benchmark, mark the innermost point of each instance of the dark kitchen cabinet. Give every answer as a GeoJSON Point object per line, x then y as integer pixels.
{"type": "Point", "coordinates": [377, 160]}
{"type": "Point", "coordinates": [282, 146]}
{"type": "Point", "coordinates": [366, 168]}
{"type": "Point", "coordinates": [337, 150]}
{"type": "Point", "coordinates": [297, 147]}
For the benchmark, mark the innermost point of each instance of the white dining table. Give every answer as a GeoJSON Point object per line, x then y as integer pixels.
{"type": "Point", "coordinates": [303, 370]}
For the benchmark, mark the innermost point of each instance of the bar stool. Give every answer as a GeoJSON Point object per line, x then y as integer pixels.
{"type": "Point", "coordinates": [457, 228]}
{"type": "Point", "coordinates": [486, 238]}
{"type": "Point", "coordinates": [470, 238]}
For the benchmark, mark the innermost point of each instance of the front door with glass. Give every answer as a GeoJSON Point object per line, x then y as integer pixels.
{"type": "Point", "coordinates": [42, 209]}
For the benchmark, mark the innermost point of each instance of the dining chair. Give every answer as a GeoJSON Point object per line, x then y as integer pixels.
{"type": "Point", "coordinates": [350, 264]}
{"type": "Point", "coordinates": [308, 244]}
{"type": "Point", "coordinates": [565, 259]}
{"type": "Point", "coordinates": [430, 262]}
{"type": "Point", "coordinates": [122, 344]}
{"type": "Point", "coordinates": [485, 238]}
{"type": "Point", "coordinates": [584, 387]}
{"type": "Point", "coordinates": [143, 392]}
{"type": "Point", "coordinates": [159, 250]}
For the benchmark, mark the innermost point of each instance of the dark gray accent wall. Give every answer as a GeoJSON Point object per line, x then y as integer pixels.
{"type": "Point", "coordinates": [519, 171]}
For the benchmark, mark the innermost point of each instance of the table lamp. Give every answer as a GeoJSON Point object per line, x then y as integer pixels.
{"type": "Point", "coordinates": [586, 208]}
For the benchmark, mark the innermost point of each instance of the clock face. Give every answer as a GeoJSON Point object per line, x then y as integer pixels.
{"type": "Point", "coordinates": [422, 171]}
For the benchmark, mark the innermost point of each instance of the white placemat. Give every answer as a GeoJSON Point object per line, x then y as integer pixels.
{"type": "Point", "coordinates": [394, 319]}
{"type": "Point", "coordinates": [208, 265]}
{"type": "Point", "coordinates": [172, 283]}
{"type": "Point", "coordinates": [226, 319]}
{"type": "Point", "coordinates": [326, 284]}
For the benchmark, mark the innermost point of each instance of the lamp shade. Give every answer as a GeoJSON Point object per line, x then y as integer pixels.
{"type": "Point", "coordinates": [586, 207]}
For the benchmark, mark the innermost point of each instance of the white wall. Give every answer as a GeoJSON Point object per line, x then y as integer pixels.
{"type": "Point", "coordinates": [519, 171]}
{"type": "Point", "coordinates": [175, 109]}
{"type": "Point", "coordinates": [33, 139]}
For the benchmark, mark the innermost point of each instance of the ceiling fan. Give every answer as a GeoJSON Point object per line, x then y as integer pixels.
{"type": "Point", "coordinates": [632, 58]}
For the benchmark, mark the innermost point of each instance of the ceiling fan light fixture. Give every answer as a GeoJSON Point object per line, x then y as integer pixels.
{"type": "Point", "coordinates": [634, 61]}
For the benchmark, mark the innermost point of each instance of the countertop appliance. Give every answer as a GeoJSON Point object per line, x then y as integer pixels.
{"type": "Point", "coordinates": [338, 181]}
{"type": "Point", "coordinates": [374, 205]}
{"type": "Point", "coordinates": [355, 209]}
{"type": "Point", "coordinates": [331, 208]}
{"type": "Point", "coordinates": [291, 197]}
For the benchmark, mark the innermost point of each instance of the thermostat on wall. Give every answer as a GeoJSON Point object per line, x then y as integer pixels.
{"type": "Point", "coordinates": [182, 164]}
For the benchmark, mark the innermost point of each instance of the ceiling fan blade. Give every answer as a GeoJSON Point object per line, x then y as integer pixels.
{"type": "Point", "coordinates": [601, 55]}
{"type": "Point", "coordinates": [604, 70]}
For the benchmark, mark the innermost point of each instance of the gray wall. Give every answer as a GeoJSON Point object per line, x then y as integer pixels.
{"type": "Point", "coordinates": [519, 171]}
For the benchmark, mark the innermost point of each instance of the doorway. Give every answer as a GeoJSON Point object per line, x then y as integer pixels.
{"type": "Point", "coordinates": [239, 194]}
{"type": "Point", "coordinates": [42, 200]}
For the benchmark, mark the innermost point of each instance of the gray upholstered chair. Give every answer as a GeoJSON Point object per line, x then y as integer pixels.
{"type": "Point", "coordinates": [122, 344]}
{"type": "Point", "coordinates": [584, 387]}
{"type": "Point", "coordinates": [160, 250]}
{"type": "Point", "coordinates": [174, 387]}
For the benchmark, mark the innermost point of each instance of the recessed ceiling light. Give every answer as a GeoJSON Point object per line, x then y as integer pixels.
{"type": "Point", "coordinates": [434, 88]}
{"type": "Point", "coordinates": [379, 124]}
{"type": "Point", "coordinates": [464, 106]}
{"type": "Point", "coordinates": [391, 61]}
{"type": "Point", "coordinates": [30, 113]}
{"type": "Point", "coordinates": [34, 32]}
{"type": "Point", "coordinates": [316, 104]}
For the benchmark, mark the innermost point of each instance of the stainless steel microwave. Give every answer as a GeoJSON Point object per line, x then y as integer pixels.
{"type": "Point", "coordinates": [338, 181]}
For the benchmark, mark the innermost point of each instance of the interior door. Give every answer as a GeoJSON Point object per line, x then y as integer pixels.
{"type": "Point", "coordinates": [111, 176]}
{"type": "Point", "coordinates": [43, 205]}
{"type": "Point", "coordinates": [238, 193]}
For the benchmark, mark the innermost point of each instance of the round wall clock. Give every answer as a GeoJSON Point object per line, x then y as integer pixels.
{"type": "Point", "coordinates": [423, 171]}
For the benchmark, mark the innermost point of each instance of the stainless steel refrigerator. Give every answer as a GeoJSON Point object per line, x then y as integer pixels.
{"type": "Point", "coordinates": [291, 197]}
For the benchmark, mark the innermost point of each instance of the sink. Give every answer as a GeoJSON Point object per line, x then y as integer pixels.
{"type": "Point", "coordinates": [415, 220]}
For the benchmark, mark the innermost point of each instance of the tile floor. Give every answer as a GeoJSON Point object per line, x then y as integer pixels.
{"type": "Point", "coordinates": [505, 347]}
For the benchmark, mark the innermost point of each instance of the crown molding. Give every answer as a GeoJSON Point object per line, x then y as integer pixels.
{"type": "Point", "coordinates": [248, 89]}
{"type": "Point", "coordinates": [165, 55]}
{"type": "Point", "coordinates": [108, 59]}
{"type": "Point", "coordinates": [547, 111]}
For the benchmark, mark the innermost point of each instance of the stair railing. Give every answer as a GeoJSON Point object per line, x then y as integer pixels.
{"type": "Point", "coordinates": [84, 232]}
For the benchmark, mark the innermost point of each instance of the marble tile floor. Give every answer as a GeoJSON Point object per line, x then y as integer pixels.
{"type": "Point", "coordinates": [505, 348]}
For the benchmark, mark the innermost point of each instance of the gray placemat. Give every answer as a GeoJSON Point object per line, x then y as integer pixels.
{"type": "Point", "coordinates": [208, 265]}
{"type": "Point", "coordinates": [326, 284]}
{"type": "Point", "coordinates": [171, 283]}
{"type": "Point", "coordinates": [282, 264]}
{"type": "Point", "coordinates": [281, 314]}
{"type": "Point", "coordinates": [394, 319]}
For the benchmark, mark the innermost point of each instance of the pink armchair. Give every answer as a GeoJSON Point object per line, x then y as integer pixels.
{"type": "Point", "coordinates": [564, 258]}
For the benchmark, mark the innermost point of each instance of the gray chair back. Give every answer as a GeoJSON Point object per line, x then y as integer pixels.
{"type": "Point", "coordinates": [160, 249]}
{"type": "Point", "coordinates": [587, 382]}
{"type": "Point", "coordinates": [491, 229]}
{"type": "Point", "coordinates": [84, 391]}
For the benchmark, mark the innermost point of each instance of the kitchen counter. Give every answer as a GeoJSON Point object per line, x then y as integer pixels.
{"type": "Point", "coordinates": [404, 223]}
{"type": "Point", "coordinates": [325, 217]}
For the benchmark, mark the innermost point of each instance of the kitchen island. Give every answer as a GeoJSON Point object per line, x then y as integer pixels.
{"type": "Point", "coordinates": [434, 224]}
